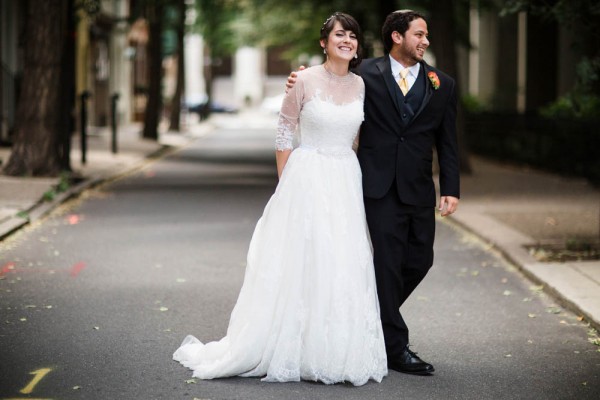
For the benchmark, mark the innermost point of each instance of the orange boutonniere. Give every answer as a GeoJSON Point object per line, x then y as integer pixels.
{"type": "Point", "coordinates": [435, 81]}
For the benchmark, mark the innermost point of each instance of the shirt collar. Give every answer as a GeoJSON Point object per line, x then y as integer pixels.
{"type": "Point", "coordinates": [397, 67]}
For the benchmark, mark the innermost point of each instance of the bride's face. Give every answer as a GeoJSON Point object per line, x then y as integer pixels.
{"type": "Point", "coordinates": [341, 44]}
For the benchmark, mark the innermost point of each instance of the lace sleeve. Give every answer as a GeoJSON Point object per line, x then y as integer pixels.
{"type": "Point", "coordinates": [289, 116]}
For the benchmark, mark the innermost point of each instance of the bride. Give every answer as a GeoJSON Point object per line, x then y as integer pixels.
{"type": "Point", "coordinates": [308, 306]}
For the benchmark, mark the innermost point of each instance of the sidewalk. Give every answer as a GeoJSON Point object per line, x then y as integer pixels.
{"type": "Point", "coordinates": [512, 207]}
{"type": "Point", "coordinates": [25, 200]}
{"type": "Point", "coordinates": [508, 207]}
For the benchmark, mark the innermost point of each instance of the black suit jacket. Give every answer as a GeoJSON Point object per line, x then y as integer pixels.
{"type": "Point", "coordinates": [389, 149]}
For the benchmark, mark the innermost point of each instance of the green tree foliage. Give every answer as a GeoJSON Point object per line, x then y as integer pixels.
{"type": "Point", "coordinates": [583, 18]}
{"type": "Point", "coordinates": [297, 24]}
{"type": "Point", "coordinates": [214, 21]}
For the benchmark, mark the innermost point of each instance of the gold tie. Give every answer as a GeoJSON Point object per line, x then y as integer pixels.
{"type": "Point", "coordinates": [403, 83]}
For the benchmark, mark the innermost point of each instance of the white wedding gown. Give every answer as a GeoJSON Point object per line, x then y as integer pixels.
{"type": "Point", "coordinates": [308, 306]}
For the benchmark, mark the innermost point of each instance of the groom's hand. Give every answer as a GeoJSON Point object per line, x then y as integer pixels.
{"type": "Point", "coordinates": [291, 81]}
{"type": "Point", "coordinates": [448, 205]}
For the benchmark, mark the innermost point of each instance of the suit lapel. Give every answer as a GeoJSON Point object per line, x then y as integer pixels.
{"type": "Point", "coordinates": [428, 90]}
{"type": "Point", "coordinates": [386, 71]}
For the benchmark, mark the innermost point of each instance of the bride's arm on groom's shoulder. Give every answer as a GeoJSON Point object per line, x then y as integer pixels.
{"type": "Point", "coordinates": [291, 81]}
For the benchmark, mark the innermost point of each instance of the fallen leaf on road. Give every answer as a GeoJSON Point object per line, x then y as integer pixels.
{"type": "Point", "coordinates": [96, 328]}
{"type": "Point", "coordinates": [594, 341]}
{"type": "Point", "coordinates": [76, 387]}
{"type": "Point", "coordinates": [536, 288]}
{"type": "Point", "coordinates": [180, 280]}
{"type": "Point", "coordinates": [190, 381]}
{"type": "Point", "coordinates": [508, 355]}
{"type": "Point", "coordinates": [22, 319]}
{"type": "Point", "coordinates": [163, 309]}
{"type": "Point", "coordinates": [554, 310]}
{"type": "Point", "coordinates": [550, 221]}
{"type": "Point", "coordinates": [526, 299]}
{"type": "Point", "coordinates": [507, 293]}
{"type": "Point", "coordinates": [531, 315]}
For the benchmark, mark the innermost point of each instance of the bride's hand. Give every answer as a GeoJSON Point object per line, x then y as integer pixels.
{"type": "Point", "coordinates": [291, 81]}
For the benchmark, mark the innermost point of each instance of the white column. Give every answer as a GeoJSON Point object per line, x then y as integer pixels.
{"type": "Point", "coordinates": [195, 85]}
{"type": "Point", "coordinates": [249, 76]}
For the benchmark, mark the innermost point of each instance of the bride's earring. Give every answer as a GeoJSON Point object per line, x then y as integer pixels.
{"type": "Point", "coordinates": [355, 55]}
{"type": "Point", "coordinates": [324, 50]}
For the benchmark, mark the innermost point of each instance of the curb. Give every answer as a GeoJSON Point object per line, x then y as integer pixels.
{"type": "Point", "coordinates": [43, 207]}
{"type": "Point", "coordinates": [517, 256]}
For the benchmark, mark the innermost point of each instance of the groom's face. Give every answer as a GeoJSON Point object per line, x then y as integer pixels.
{"type": "Point", "coordinates": [414, 42]}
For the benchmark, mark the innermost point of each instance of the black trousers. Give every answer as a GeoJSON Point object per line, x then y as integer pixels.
{"type": "Point", "coordinates": [402, 237]}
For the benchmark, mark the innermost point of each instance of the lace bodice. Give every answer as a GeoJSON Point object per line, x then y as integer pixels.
{"type": "Point", "coordinates": [327, 108]}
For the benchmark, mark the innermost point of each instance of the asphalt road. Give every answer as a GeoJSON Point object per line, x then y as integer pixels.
{"type": "Point", "coordinates": [95, 298]}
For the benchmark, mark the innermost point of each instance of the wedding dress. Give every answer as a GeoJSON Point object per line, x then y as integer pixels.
{"type": "Point", "coordinates": [308, 306]}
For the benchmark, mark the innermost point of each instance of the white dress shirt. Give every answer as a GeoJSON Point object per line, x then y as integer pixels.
{"type": "Point", "coordinates": [413, 72]}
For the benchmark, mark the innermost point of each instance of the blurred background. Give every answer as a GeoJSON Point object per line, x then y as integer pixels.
{"type": "Point", "coordinates": [528, 70]}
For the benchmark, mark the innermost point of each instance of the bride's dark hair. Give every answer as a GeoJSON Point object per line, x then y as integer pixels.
{"type": "Point", "coordinates": [348, 23]}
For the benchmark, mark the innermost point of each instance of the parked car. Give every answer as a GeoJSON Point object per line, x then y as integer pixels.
{"type": "Point", "coordinates": [201, 106]}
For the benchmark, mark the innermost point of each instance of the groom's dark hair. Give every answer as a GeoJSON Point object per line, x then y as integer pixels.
{"type": "Point", "coordinates": [398, 21]}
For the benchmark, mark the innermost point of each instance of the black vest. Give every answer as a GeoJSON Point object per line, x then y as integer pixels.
{"type": "Point", "coordinates": [409, 104]}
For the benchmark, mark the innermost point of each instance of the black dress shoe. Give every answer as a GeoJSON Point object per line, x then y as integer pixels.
{"type": "Point", "coordinates": [410, 363]}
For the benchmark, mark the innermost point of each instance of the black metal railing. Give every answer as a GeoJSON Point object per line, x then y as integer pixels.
{"type": "Point", "coordinates": [567, 146]}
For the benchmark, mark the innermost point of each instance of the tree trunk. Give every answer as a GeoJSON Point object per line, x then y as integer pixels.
{"type": "Point", "coordinates": [36, 148]}
{"type": "Point", "coordinates": [154, 14]}
{"type": "Point", "coordinates": [179, 90]}
{"type": "Point", "coordinates": [442, 28]}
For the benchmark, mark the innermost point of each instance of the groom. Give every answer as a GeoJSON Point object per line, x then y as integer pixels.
{"type": "Point", "coordinates": [410, 107]}
{"type": "Point", "coordinates": [395, 154]}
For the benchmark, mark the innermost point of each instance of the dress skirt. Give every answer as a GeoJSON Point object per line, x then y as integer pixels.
{"type": "Point", "coordinates": [308, 306]}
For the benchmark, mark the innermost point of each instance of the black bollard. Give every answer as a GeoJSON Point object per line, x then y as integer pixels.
{"type": "Point", "coordinates": [84, 96]}
{"type": "Point", "coordinates": [113, 109]}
